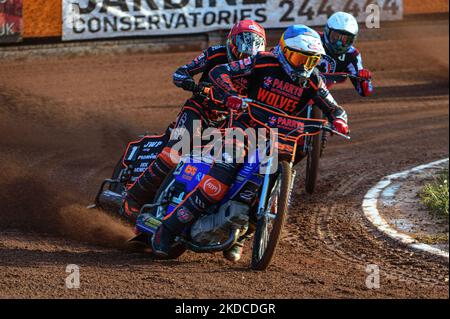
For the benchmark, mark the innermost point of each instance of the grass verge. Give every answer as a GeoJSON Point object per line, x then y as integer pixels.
{"type": "Point", "coordinates": [434, 195]}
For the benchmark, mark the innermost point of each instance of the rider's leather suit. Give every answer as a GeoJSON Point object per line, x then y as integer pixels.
{"type": "Point", "coordinates": [350, 62]}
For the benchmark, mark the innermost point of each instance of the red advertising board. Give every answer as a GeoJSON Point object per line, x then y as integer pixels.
{"type": "Point", "coordinates": [10, 21]}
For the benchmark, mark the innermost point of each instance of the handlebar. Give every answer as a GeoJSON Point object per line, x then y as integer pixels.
{"type": "Point", "coordinates": [247, 100]}
{"type": "Point", "coordinates": [203, 89]}
{"type": "Point", "coordinates": [342, 76]}
{"type": "Point", "coordinates": [332, 130]}
{"type": "Point", "coordinates": [326, 128]}
{"type": "Point", "coordinates": [321, 127]}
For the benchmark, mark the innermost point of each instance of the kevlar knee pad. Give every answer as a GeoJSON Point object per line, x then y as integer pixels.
{"type": "Point", "coordinates": [211, 190]}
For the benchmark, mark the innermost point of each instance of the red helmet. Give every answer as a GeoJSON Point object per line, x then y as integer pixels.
{"type": "Point", "coordinates": [245, 39]}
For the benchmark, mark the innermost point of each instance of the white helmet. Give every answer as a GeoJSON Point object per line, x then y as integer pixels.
{"type": "Point", "coordinates": [301, 50]}
{"type": "Point", "coordinates": [341, 32]}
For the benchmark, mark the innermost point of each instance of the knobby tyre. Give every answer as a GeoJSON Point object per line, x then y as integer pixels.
{"type": "Point", "coordinates": [265, 239]}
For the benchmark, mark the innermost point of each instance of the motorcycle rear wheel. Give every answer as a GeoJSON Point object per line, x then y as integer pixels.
{"type": "Point", "coordinates": [265, 240]}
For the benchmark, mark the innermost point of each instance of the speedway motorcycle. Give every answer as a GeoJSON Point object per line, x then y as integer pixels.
{"type": "Point", "coordinates": [314, 145]}
{"type": "Point", "coordinates": [223, 224]}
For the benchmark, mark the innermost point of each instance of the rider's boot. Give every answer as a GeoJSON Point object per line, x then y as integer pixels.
{"type": "Point", "coordinates": [234, 253]}
{"type": "Point", "coordinates": [145, 187]}
{"type": "Point", "coordinates": [140, 193]}
{"type": "Point", "coordinates": [210, 191]}
{"type": "Point", "coordinates": [171, 227]}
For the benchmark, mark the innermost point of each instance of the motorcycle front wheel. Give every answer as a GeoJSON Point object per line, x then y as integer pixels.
{"type": "Point", "coordinates": [313, 157]}
{"type": "Point", "coordinates": [270, 224]}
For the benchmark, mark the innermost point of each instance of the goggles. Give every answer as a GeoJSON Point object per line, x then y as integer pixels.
{"type": "Point", "coordinates": [346, 40]}
{"type": "Point", "coordinates": [249, 44]}
{"type": "Point", "coordinates": [297, 59]}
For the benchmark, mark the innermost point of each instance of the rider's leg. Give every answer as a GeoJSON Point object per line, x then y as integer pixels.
{"type": "Point", "coordinates": [145, 187]}
{"type": "Point", "coordinates": [210, 191]}
{"type": "Point", "coordinates": [234, 253]}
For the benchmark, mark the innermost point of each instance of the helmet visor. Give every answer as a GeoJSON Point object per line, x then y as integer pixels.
{"type": "Point", "coordinates": [298, 59]}
{"type": "Point", "coordinates": [249, 44]}
{"type": "Point", "coordinates": [341, 40]}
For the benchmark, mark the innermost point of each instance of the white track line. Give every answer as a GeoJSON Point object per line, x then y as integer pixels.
{"type": "Point", "coordinates": [373, 215]}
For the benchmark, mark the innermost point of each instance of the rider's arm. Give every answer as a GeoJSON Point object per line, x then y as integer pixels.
{"type": "Point", "coordinates": [325, 101]}
{"type": "Point", "coordinates": [355, 67]}
{"type": "Point", "coordinates": [222, 77]}
{"type": "Point", "coordinates": [186, 72]}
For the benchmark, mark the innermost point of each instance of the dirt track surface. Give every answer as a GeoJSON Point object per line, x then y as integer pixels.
{"type": "Point", "coordinates": [65, 122]}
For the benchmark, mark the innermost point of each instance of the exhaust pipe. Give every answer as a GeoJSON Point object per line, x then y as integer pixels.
{"type": "Point", "coordinates": [109, 200]}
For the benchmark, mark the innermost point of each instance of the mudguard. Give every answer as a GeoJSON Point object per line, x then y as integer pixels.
{"type": "Point", "coordinates": [140, 154]}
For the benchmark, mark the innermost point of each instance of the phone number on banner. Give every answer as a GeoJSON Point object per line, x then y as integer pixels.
{"type": "Point", "coordinates": [86, 19]}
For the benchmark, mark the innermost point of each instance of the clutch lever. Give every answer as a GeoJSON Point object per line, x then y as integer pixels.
{"type": "Point", "coordinates": [202, 88]}
{"type": "Point", "coordinates": [321, 127]}
{"type": "Point", "coordinates": [332, 130]}
{"type": "Point", "coordinates": [247, 101]}
{"type": "Point", "coordinates": [342, 75]}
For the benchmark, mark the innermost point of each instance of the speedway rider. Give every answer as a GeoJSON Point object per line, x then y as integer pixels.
{"type": "Point", "coordinates": [289, 73]}
{"type": "Point", "coordinates": [246, 38]}
{"type": "Point", "coordinates": [340, 33]}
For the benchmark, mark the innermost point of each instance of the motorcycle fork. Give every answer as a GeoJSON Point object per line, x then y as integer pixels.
{"type": "Point", "coordinates": [263, 202]}
{"type": "Point", "coordinates": [306, 145]}
{"type": "Point", "coordinates": [294, 174]}
{"type": "Point", "coordinates": [265, 189]}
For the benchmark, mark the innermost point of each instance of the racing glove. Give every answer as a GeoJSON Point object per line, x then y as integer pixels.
{"type": "Point", "coordinates": [341, 126]}
{"type": "Point", "coordinates": [366, 84]}
{"type": "Point", "coordinates": [234, 103]}
{"type": "Point", "coordinates": [365, 74]}
{"type": "Point", "coordinates": [189, 85]}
